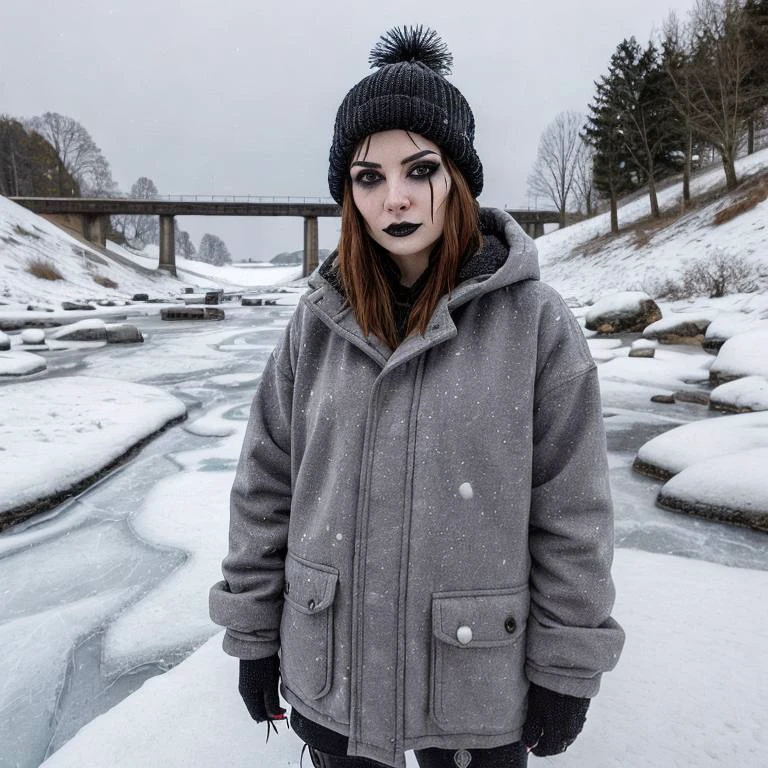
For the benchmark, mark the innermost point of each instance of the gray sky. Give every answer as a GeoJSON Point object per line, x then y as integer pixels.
{"type": "Point", "coordinates": [239, 96]}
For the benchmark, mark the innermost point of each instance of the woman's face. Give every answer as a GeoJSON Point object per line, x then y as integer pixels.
{"type": "Point", "coordinates": [400, 185]}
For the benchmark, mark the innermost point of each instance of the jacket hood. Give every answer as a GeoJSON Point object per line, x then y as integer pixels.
{"type": "Point", "coordinates": [506, 256]}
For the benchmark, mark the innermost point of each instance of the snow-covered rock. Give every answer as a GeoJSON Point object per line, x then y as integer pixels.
{"type": "Point", "coordinates": [745, 354]}
{"type": "Point", "coordinates": [731, 487]}
{"type": "Point", "coordinates": [741, 396]}
{"type": "Point", "coordinates": [727, 324]}
{"type": "Point", "coordinates": [84, 330]}
{"type": "Point", "coordinates": [33, 336]}
{"type": "Point", "coordinates": [123, 333]}
{"type": "Point", "coordinates": [625, 312]}
{"type": "Point", "coordinates": [678, 329]}
{"type": "Point", "coordinates": [671, 452]}
{"type": "Point", "coordinates": [5, 342]}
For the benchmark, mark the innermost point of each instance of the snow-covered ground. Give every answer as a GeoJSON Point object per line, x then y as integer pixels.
{"type": "Point", "coordinates": [688, 691]}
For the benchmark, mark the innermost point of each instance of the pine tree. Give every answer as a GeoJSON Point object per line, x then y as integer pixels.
{"type": "Point", "coordinates": [604, 133]}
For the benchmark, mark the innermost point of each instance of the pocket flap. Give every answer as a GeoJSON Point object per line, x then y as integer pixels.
{"type": "Point", "coordinates": [481, 619]}
{"type": "Point", "coordinates": [309, 587]}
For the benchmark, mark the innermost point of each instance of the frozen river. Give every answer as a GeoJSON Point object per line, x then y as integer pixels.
{"type": "Point", "coordinates": [69, 579]}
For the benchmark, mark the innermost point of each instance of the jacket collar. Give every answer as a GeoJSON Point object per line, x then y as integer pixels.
{"type": "Point", "coordinates": [507, 256]}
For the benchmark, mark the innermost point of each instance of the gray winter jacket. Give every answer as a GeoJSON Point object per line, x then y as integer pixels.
{"type": "Point", "coordinates": [423, 532]}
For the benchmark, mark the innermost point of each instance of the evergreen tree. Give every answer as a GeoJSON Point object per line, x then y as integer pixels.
{"type": "Point", "coordinates": [29, 165]}
{"type": "Point", "coordinates": [603, 132]}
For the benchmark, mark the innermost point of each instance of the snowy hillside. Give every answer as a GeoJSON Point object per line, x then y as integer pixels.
{"type": "Point", "coordinates": [584, 261]}
{"type": "Point", "coordinates": [86, 273]}
{"type": "Point", "coordinates": [89, 274]}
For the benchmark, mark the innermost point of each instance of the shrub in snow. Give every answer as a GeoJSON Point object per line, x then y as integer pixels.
{"type": "Point", "coordinates": [625, 312]}
{"type": "Point", "coordinates": [44, 269]}
{"type": "Point", "coordinates": [718, 274]}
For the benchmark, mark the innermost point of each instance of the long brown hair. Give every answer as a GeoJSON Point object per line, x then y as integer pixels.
{"type": "Point", "coordinates": [365, 283]}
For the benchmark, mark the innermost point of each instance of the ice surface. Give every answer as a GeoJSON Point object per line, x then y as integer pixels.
{"type": "Point", "coordinates": [188, 511]}
{"type": "Point", "coordinates": [669, 370]}
{"type": "Point", "coordinates": [36, 652]}
{"type": "Point", "coordinates": [688, 675]}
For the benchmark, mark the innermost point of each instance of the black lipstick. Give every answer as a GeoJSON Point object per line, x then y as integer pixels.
{"type": "Point", "coordinates": [403, 229]}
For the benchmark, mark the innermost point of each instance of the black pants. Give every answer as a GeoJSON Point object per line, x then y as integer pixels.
{"type": "Point", "coordinates": [508, 756]}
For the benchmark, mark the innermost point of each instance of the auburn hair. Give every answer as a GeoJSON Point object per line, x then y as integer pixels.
{"type": "Point", "coordinates": [362, 276]}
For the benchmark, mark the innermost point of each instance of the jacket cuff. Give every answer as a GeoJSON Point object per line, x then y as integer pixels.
{"type": "Point", "coordinates": [250, 646]}
{"type": "Point", "coordinates": [582, 688]}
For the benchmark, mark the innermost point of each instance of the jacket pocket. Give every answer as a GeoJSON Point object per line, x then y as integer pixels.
{"type": "Point", "coordinates": [478, 682]}
{"type": "Point", "coordinates": [306, 627]}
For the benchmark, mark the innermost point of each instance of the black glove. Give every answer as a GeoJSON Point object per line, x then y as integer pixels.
{"type": "Point", "coordinates": [258, 687]}
{"type": "Point", "coordinates": [553, 722]}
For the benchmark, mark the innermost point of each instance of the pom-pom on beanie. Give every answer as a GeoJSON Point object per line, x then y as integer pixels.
{"type": "Point", "coordinates": [408, 91]}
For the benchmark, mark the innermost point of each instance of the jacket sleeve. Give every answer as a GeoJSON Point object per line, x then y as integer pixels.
{"type": "Point", "coordinates": [248, 602]}
{"type": "Point", "coordinates": [571, 636]}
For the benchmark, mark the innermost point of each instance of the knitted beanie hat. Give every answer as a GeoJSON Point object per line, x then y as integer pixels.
{"type": "Point", "coordinates": [408, 91]}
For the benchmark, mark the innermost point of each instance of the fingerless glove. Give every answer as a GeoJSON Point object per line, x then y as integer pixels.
{"type": "Point", "coordinates": [258, 686]}
{"type": "Point", "coordinates": [553, 722]}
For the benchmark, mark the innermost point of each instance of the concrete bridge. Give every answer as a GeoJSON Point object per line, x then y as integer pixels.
{"type": "Point", "coordinates": [90, 216]}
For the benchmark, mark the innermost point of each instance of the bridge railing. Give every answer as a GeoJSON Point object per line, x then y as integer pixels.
{"type": "Point", "coordinates": [295, 199]}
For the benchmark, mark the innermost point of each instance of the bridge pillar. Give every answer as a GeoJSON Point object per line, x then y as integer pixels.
{"type": "Point", "coordinates": [538, 230]}
{"type": "Point", "coordinates": [310, 245]}
{"type": "Point", "coordinates": [167, 245]}
{"type": "Point", "coordinates": [95, 228]}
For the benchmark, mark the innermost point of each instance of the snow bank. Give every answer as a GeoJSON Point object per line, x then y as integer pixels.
{"type": "Point", "coordinates": [689, 690]}
{"type": "Point", "coordinates": [14, 363]}
{"type": "Point", "coordinates": [72, 427]}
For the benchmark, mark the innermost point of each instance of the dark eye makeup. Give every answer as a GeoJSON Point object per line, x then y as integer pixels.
{"type": "Point", "coordinates": [366, 177]}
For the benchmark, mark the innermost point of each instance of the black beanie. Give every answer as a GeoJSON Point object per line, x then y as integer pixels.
{"type": "Point", "coordinates": [407, 91]}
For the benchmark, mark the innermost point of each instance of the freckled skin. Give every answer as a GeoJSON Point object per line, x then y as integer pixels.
{"type": "Point", "coordinates": [387, 191]}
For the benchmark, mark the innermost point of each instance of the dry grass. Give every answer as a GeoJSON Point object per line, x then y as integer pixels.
{"type": "Point", "coordinates": [44, 269]}
{"type": "Point", "coordinates": [19, 230]}
{"type": "Point", "coordinates": [105, 282]}
{"type": "Point", "coordinates": [753, 194]}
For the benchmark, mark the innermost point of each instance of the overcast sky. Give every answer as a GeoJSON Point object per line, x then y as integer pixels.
{"type": "Point", "coordinates": [239, 96]}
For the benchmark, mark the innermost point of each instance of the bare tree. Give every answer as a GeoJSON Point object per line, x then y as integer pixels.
{"type": "Point", "coordinates": [77, 152]}
{"type": "Point", "coordinates": [676, 47]}
{"type": "Point", "coordinates": [553, 171]}
{"type": "Point", "coordinates": [583, 178]}
{"type": "Point", "coordinates": [139, 230]}
{"type": "Point", "coordinates": [717, 78]}
{"type": "Point", "coordinates": [213, 251]}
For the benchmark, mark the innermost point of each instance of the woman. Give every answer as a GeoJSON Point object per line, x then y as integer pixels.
{"type": "Point", "coordinates": [421, 522]}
